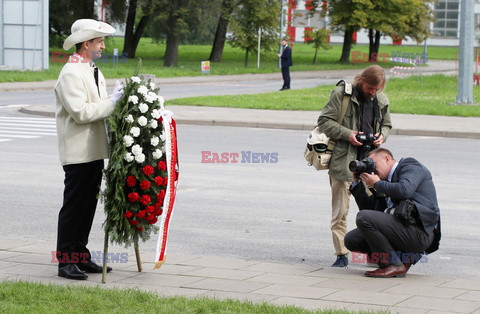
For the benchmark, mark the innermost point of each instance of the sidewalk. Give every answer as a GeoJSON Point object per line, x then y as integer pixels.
{"type": "Point", "coordinates": [404, 124]}
{"type": "Point", "coordinates": [310, 287]}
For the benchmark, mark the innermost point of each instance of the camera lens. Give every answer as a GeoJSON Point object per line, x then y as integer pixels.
{"type": "Point", "coordinates": [320, 148]}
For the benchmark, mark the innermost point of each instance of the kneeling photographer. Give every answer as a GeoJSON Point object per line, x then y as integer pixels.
{"type": "Point", "coordinates": [400, 218]}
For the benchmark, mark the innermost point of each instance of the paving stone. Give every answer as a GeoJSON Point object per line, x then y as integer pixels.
{"type": "Point", "coordinates": [223, 273]}
{"type": "Point", "coordinates": [8, 254]}
{"type": "Point", "coordinates": [32, 270]}
{"type": "Point", "coordinates": [6, 264]}
{"type": "Point", "coordinates": [462, 284]}
{"type": "Point", "coordinates": [161, 280]}
{"type": "Point", "coordinates": [170, 269]}
{"type": "Point", "coordinates": [366, 297]}
{"type": "Point", "coordinates": [282, 268]}
{"type": "Point", "coordinates": [167, 292]}
{"type": "Point", "coordinates": [288, 279]}
{"type": "Point", "coordinates": [469, 296]}
{"type": "Point", "coordinates": [7, 244]}
{"type": "Point", "coordinates": [226, 285]}
{"type": "Point", "coordinates": [251, 297]}
{"type": "Point", "coordinates": [359, 307]}
{"type": "Point", "coordinates": [31, 258]}
{"type": "Point", "coordinates": [39, 247]}
{"type": "Point", "coordinates": [219, 262]}
{"type": "Point", "coordinates": [409, 289]}
{"type": "Point", "coordinates": [286, 290]}
{"type": "Point", "coordinates": [175, 258]}
{"type": "Point", "coordinates": [310, 304]}
{"type": "Point", "coordinates": [370, 284]}
{"type": "Point", "coordinates": [336, 272]}
{"type": "Point", "coordinates": [449, 305]}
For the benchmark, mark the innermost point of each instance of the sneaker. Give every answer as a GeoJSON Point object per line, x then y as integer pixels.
{"type": "Point", "coordinates": [342, 261]}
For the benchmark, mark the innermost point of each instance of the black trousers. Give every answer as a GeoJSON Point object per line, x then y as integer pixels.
{"type": "Point", "coordinates": [82, 184]}
{"type": "Point", "coordinates": [386, 239]}
{"type": "Point", "coordinates": [286, 77]}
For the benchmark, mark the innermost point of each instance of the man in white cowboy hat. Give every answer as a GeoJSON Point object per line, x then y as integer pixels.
{"type": "Point", "coordinates": [82, 104]}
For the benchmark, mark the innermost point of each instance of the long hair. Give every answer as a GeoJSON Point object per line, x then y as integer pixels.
{"type": "Point", "coordinates": [373, 76]}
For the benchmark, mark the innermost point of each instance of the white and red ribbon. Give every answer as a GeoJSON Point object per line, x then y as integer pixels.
{"type": "Point", "coordinates": [171, 152]}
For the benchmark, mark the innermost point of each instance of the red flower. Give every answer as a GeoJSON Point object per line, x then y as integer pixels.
{"type": "Point", "coordinates": [153, 221]}
{"type": "Point", "coordinates": [148, 170]}
{"type": "Point", "coordinates": [128, 214]}
{"type": "Point", "coordinates": [158, 180]}
{"type": "Point", "coordinates": [140, 214]}
{"type": "Point", "coordinates": [149, 209]}
{"type": "Point", "coordinates": [158, 211]}
{"type": "Point", "coordinates": [133, 197]}
{"type": "Point", "coordinates": [161, 195]}
{"type": "Point", "coordinates": [149, 217]}
{"type": "Point", "coordinates": [139, 228]}
{"type": "Point", "coordinates": [165, 181]}
{"type": "Point", "coordinates": [131, 181]}
{"type": "Point", "coordinates": [162, 165]}
{"type": "Point", "coordinates": [144, 185]}
{"type": "Point", "coordinates": [145, 199]}
{"type": "Point", "coordinates": [133, 222]}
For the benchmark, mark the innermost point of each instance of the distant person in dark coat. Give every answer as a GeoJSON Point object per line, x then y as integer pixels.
{"type": "Point", "coordinates": [286, 62]}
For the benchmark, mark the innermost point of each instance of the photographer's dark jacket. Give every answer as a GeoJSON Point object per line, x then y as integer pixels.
{"type": "Point", "coordinates": [344, 152]}
{"type": "Point", "coordinates": [411, 180]}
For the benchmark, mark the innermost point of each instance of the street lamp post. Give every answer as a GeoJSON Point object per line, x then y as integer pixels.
{"type": "Point", "coordinates": [465, 67]}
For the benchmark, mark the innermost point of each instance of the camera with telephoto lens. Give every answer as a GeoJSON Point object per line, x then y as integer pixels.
{"type": "Point", "coordinates": [366, 139]}
{"type": "Point", "coordinates": [360, 166]}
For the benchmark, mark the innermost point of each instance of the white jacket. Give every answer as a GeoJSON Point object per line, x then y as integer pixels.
{"type": "Point", "coordinates": [80, 114]}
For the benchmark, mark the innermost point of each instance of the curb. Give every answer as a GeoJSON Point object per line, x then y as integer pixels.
{"type": "Point", "coordinates": [287, 126]}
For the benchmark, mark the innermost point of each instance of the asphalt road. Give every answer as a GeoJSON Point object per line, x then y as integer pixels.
{"type": "Point", "coordinates": [275, 211]}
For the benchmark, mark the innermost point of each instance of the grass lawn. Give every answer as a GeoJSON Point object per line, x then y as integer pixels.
{"type": "Point", "coordinates": [429, 95]}
{"type": "Point", "coordinates": [22, 297]}
{"type": "Point", "coordinates": [190, 56]}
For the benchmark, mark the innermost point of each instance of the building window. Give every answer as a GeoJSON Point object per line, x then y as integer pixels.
{"type": "Point", "coordinates": [446, 25]}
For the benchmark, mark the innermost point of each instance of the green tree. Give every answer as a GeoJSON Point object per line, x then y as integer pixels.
{"type": "Point", "coordinates": [319, 39]}
{"type": "Point", "coordinates": [402, 18]}
{"type": "Point", "coordinates": [62, 14]}
{"type": "Point", "coordinates": [247, 18]}
{"type": "Point", "coordinates": [221, 32]}
{"type": "Point", "coordinates": [133, 32]}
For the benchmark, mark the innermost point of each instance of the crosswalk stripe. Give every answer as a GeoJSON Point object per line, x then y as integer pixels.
{"type": "Point", "coordinates": [26, 128]}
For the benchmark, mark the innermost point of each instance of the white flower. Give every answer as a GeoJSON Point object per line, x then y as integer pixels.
{"type": "Point", "coordinates": [163, 137]}
{"type": "Point", "coordinates": [140, 158]}
{"type": "Point", "coordinates": [156, 113]}
{"type": "Point", "coordinates": [127, 140]}
{"type": "Point", "coordinates": [154, 141]}
{"type": "Point", "coordinates": [142, 90]}
{"type": "Point", "coordinates": [135, 131]}
{"type": "Point", "coordinates": [157, 154]}
{"type": "Point", "coordinates": [153, 124]}
{"type": "Point", "coordinates": [129, 119]}
{"type": "Point", "coordinates": [142, 121]}
{"type": "Point", "coordinates": [136, 79]}
{"type": "Point", "coordinates": [152, 85]}
{"type": "Point", "coordinates": [128, 157]}
{"type": "Point", "coordinates": [133, 99]}
{"type": "Point", "coordinates": [136, 149]}
{"type": "Point", "coordinates": [143, 107]}
{"type": "Point", "coordinates": [160, 100]}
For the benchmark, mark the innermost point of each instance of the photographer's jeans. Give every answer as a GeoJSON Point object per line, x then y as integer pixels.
{"type": "Point", "coordinates": [340, 204]}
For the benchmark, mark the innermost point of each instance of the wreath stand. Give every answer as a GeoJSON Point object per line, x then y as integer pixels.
{"type": "Point", "coordinates": [105, 257]}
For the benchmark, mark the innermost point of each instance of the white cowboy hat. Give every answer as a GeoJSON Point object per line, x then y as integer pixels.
{"type": "Point", "coordinates": [86, 29]}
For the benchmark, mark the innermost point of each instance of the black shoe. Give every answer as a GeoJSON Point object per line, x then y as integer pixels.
{"type": "Point", "coordinates": [91, 267]}
{"type": "Point", "coordinates": [71, 271]}
{"type": "Point", "coordinates": [342, 261]}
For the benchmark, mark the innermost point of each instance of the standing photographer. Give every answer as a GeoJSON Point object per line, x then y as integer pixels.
{"type": "Point", "coordinates": [401, 220]}
{"type": "Point", "coordinates": [365, 126]}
